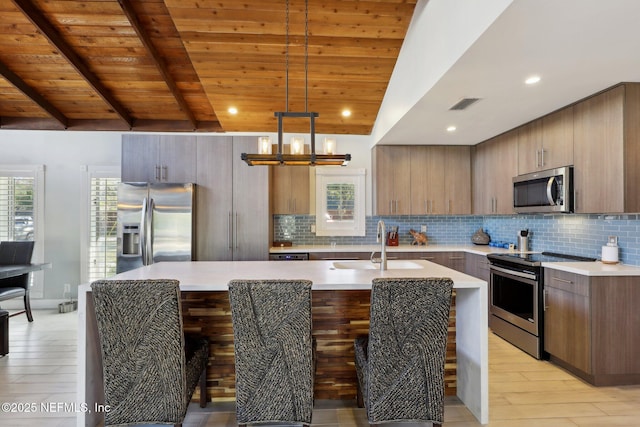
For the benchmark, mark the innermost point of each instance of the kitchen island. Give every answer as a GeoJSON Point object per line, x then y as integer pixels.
{"type": "Point", "coordinates": [200, 281]}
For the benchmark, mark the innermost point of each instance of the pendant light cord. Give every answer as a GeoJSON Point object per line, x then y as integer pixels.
{"type": "Point", "coordinates": [286, 57]}
{"type": "Point", "coordinates": [306, 56]}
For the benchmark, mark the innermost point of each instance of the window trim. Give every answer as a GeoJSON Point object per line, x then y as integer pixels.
{"type": "Point", "coordinates": [340, 175]}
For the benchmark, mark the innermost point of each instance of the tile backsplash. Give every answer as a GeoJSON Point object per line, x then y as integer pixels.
{"type": "Point", "coordinates": [573, 234]}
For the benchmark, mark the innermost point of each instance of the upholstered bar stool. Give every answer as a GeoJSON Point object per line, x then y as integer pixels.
{"type": "Point", "coordinates": [150, 369]}
{"type": "Point", "coordinates": [400, 364]}
{"type": "Point", "coordinates": [273, 350]}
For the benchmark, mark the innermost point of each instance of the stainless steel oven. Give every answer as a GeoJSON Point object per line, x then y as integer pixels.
{"type": "Point", "coordinates": [516, 308]}
{"type": "Point", "coordinates": [515, 295]}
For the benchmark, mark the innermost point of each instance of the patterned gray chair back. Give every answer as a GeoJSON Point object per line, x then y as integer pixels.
{"type": "Point", "coordinates": [142, 342]}
{"type": "Point", "coordinates": [273, 350]}
{"type": "Point", "coordinates": [407, 349]}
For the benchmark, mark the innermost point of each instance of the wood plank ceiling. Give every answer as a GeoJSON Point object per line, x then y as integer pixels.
{"type": "Point", "coordinates": [178, 65]}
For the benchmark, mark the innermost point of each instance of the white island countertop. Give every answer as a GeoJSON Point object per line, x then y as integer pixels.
{"type": "Point", "coordinates": [215, 275]}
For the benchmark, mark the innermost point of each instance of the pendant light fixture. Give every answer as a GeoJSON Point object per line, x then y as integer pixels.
{"type": "Point", "coordinates": [313, 159]}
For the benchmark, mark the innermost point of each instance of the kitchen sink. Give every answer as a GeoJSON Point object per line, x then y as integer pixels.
{"type": "Point", "coordinates": [368, 265]}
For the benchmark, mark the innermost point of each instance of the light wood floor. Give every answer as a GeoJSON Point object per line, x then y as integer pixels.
{"type": "Point", "coordinates": [524, 392]}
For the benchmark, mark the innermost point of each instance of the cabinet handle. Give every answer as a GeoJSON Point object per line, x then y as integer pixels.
{"type": "Point", "coordinates": [449, 207]}
{"type": "Point", "coordinates": [456, 257]}
{"type": "Point", "coordinates": [537, 158]}
{"type": "Point", "coordinates": [235, 237]}
{"type": "Point", "coordinates": [390, 206]}
{"type": "Point", "coordinates": [542, 157]}
{"type": "Point", "coordinates": [164, 172]}
{"type": "Point", "coordinates": [229, 228]}
{"type": "Point", "coordinates": [426, 206]}
{"type": "Point", "coordinates": [427, 258]}
{"type": "Point", "coordinates": [544, 301]}
{"type": "Point", "coordinates": [396, 211]}
{"type": "Point", "coordinates": [157, 172]}
{"type": "Point", "coordinates": [295, 206]}
{"type": "Point", "coordinates": [562, 280]}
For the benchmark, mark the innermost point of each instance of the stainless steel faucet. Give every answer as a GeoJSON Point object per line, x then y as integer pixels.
{"type": "Point", "coordinates": [381, 238]}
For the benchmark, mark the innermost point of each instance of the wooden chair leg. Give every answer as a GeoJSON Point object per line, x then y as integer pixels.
{"type": "Point", "coordinates": [203, 388]}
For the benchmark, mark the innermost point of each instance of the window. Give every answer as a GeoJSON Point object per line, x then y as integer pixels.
{"type": "Point", "coordinates": [99, 230]}
{"type": "Point", "coordinates": [22, 211]}
{"type": "Point", "coordinates": [340, 204]}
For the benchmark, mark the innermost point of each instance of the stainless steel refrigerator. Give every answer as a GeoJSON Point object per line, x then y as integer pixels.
{"type": "Point", "coordinates": [155, 223]}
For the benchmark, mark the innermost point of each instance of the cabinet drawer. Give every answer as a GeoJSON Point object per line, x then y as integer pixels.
{"type": "Point", "coordinates": [565, 281]}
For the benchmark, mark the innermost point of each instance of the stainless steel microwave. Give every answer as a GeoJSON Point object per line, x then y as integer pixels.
{"type": "Point", "coordinates": [544, 191]}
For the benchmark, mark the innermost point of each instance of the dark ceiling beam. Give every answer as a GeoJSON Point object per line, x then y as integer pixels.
{"type": "Point", "coordinates": [35, 96]}
{"type": "Point", "coordinates": [49, 31]}
{"type": "Point", "coordinates": [158, 60]}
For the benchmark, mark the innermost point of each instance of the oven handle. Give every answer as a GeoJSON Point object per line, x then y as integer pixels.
{"type": "Point", "coordinates": [514, 273]}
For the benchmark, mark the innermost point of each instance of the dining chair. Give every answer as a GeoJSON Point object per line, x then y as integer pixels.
{"type": "Point", "coordinates": [400, 364]}
{"type": "Point", "coordinates": [16, 253]}
{"type": "Point", "coordinates": [273, 346]}
{"type": "Point", "coordinates": [150, 369]}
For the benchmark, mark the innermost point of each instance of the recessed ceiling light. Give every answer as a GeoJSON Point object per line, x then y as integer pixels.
{"type": "Point", "coordinates": [232, 110]}
{"type": "Point", "coordinates": [346, 113]}
{"type": "Point", "coordinates": [451, 129]}
{"type": "Point", "coordinates": [532, 80]}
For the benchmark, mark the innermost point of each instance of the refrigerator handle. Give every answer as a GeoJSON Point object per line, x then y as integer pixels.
{"type": "Point", "coordinates": [229, 228]}
{"type": "Point", "coordinates": [150, 231]}
{"type": "Point", "coordinates": [143, 231]}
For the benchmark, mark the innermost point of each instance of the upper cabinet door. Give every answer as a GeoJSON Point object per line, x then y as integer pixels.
{"type": "Point", "coordinates": [177, 158]}
{"type": "Point", "coordinates": [427, 179]}
{"type": "Point", "coordinates": [557, 139]}
{"type": "Point", "coordinates": [139, 161]}
{"type": "Point", "coordinates": [530, 147]}
{"type": "Point", "coordinates": [391, 179]}
{"type": "Point", "coordinates": [598, 153]}
{"type": "Point", "coordinates": [457, 180]}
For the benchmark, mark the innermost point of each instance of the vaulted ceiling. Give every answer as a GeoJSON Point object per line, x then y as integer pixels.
{"type": "Point", "coordinates": [179, 65]}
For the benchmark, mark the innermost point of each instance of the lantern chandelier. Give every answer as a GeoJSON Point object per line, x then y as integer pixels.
{"type": "Point", "coordinates": [303, 159]}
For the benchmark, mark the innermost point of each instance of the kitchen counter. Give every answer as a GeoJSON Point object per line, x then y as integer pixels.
{"type": "Point", "coordinates": [475, 249]}
{"type": "Point", "coordinates": [597, 268]}
{"type": "Point", "coordinates": [211, 278]}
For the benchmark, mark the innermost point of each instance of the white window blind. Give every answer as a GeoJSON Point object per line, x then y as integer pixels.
{"type": "Point", "coordinates": [102, 227]}
{"type": "Point", "coordinates": [98, 226]}
{"type": "Point", "coordinates": [16, 208]}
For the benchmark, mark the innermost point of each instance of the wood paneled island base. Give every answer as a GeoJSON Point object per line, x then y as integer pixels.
{"type": "Point", "coordinates": [338, 317]}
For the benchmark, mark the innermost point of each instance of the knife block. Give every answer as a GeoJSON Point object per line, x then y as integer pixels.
{"type": "Point", "coordinates": [392, 241]}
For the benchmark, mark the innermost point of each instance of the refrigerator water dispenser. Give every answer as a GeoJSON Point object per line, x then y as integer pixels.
{"type": "Point", "coordinates": [130, 239]}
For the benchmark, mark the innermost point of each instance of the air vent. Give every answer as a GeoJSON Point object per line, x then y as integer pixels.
{"type": "Point", "coordinates": [464, 103]}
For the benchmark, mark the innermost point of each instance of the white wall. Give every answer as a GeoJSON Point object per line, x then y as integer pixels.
{"type": "Point", "coordinates": [63, 154]}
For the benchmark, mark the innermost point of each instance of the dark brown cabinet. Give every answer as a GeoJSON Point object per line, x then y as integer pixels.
{"type": "Point", "coordinates": [591, 326]}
